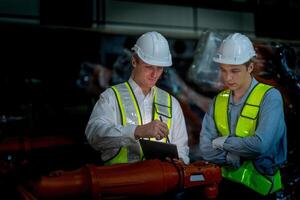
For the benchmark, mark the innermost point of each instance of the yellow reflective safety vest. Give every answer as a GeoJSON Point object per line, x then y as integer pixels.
{"type": "Point", "coordinates": [246, 125]}
{"type": "Point", "coordinates": [130, 114]}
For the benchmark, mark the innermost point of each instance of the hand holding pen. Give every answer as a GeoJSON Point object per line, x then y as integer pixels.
{"type": "Point", "coordinates": [154, 129]}
{"type": "Point", "coordinates": [167, 137]}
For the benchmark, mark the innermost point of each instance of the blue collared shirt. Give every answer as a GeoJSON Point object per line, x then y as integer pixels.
{"type": "Point", "coordinates": [267, 147]}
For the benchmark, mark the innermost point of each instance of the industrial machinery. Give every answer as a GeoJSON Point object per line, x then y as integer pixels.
{"type": "Point", "coordinates": [123, 181]}
{"type": "Point", "coordinates": [45, 168]}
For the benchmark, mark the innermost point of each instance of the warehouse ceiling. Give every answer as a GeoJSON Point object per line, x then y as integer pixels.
{"type": "Point", "coordinates": [234, 5]}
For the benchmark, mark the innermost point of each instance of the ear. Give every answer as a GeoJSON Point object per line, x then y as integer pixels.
{"type": "Point", "coordinates": [250, 67]}
{"type": "Point", "coordinates": [133, 61]}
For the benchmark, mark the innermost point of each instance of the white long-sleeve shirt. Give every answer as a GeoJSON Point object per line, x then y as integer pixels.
{"type": "Point", "coordinates": [106, 133]}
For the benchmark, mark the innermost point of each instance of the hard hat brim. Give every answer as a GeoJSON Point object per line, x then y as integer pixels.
{"type": "Point", "coordinates": [230, 62]}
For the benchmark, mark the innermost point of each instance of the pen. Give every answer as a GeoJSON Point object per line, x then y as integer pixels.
{"type": "Point", "coordinates": [168, 141]}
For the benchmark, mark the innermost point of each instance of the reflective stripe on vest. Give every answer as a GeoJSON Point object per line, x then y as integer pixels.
{"type": "Point", "coordinates": [162, 108]}
{"type": "Point", "coordinates": [130, 114]}
{"type": "Point", "coordinates": [246, 125]}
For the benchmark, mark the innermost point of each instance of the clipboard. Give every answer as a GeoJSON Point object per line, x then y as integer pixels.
{"type": "Point", "coordinates": [158, 150]}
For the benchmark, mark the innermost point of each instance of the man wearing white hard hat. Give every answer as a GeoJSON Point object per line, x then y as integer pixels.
{"type": "Point", "coordinates": [244, 130]}
{"type": "Point", "coordinates": [138, 109]}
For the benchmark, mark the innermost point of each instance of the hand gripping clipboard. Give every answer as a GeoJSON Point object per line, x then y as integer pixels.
{"type": "Point", "coordinates": [158, 150]}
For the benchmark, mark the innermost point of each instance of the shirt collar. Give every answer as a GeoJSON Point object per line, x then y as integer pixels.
{"type": "Point", "coordinates": [137, 89]}
{"type": "Point", "coordinates": [254, 82]}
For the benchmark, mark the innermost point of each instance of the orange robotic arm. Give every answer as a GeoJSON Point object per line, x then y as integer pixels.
{"type": "Point", "coordinates": [150, 177]}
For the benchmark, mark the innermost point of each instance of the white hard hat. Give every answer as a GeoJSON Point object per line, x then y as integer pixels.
{"type": "Point", "coordinates": [236, 49]}
{"type": "Point", "coordinates": [153, 49]}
